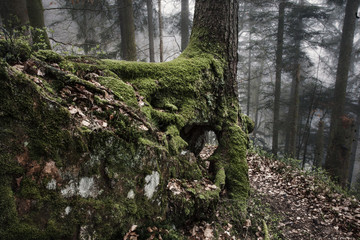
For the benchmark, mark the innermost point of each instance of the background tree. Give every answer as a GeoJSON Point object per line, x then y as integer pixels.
{"type": "Point", "coordinates": [337, 160]}
{"type": "Point", "coordinates": [149, 4]}
{"type": "Point", "coordinates": [161, 44]}
{"type": "Point", "coordinates": [126, 18]}
{"type": "Point", "coordinates": [184, 24]}
{"type": "Point", "coordinates": [278, 68]}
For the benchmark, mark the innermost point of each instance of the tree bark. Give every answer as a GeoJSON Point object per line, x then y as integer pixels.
{"type": "Point", "coordinates": [36, 16]}
{"type": "Point", "coordinates": [293, 116]}
{"type": "Point", "coordinates": [149, 4]}
{"type": "Point", "coordinates": [319, 145]}
{"type": "Point", "coordinates": [220, 37]}
{"type": "Point", "coordinates": [257, 98]}
{"type": "Point", "coordinates": [338, 155]}
{"type": "Point", "coordinates": [184, 24]}
{"type": "Point", "coordinates": [128, 46]}
{"type": "Point", "coordinates": [249, 75]}
{"type": "Point", "coordinates": [355, 148]}
{"type": "Point", "coordinates": [292, 121]}
{"type": "Point", "coordinates": [161, 45]}
{"type": "Point", "coordinates": [279, 53]}
{"type": "Point", "coordinates": [14, 14]}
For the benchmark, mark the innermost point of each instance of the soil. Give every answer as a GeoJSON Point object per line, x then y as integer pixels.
{"type": "Point", "coordinates": [307, 206]}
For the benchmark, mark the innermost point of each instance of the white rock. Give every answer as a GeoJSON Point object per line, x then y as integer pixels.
{"type": "Point", "coordinates": [131, 194]}
{"type": "Point", "coordinates": [87, 187]}
{"type": "Point", "coordinates": [152, 181]}
{"type": "Point", "coordinates": [51, 184]}
{"type": "Point", "coordinates": [67, 210]}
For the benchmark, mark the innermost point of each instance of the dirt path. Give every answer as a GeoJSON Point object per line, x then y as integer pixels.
{"type": "Point", "coordinates": [306, 206]}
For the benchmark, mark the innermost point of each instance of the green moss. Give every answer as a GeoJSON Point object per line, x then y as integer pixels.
{"type": "Point", "coordinates": [29, 189]}
{"type": "Point", "coordinates": [49, 56]}
{"type": "Point", "coordinates": [68, 66]}
{"type": "Point", "coordinates": [247, 124]}
{"type": "Point", "coordinates": [183, 92]}
{"type": "Point", "coordinates": [8, 218]}
{"type": "Point", "coordinates": [176, 143]}
{"type": "Point", "coordinates": [171, 107]}
{"type": "Point", "coordinates": [150, 143]}
{"type": "Point", "coordinates": [220, 178]}
{"type": "Point", "coordinates": [17, 50]}
{"type": "Point", "coordinates": [147, 87]}
{"type": "Point", "coordinates": [236, 172]}
{"type": "Point", "coordinates": [122, 90]}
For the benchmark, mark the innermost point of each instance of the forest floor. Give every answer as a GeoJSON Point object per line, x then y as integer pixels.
{"type": "Point", "coordinates": [292, 203]}
{"type": "Point", "coordinates": [307, 204]}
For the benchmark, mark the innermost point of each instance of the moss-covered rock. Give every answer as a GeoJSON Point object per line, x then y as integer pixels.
{"type": "Point", "coordinates": [89, 147]}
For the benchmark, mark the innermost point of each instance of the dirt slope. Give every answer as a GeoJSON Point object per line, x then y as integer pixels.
{"type": "Point", "coordinates": [307, 206]}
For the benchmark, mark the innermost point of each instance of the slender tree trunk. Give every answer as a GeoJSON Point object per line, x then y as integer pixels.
{"type": "Point", "coordinates": [292, 121]}
{"type": "Point", "coordinates": [149, 4]}
{"type": "Point", "coordinates": [86, 46]}
{"type": "Point", "coordinates": [257, 98]}
{"type": "Point", "coordinates": [36, 17]}
{"type": "Point", "coordinates": [128, 46]}
{"type": "Point", "coordinates": [184, 24]}
{"type": "Point", "coordinates": [306, 133]}
{"type": "Point", "coordinates": [293, 116]}
{"type": "Point", "coordinates": [338, 156]}
{"type": "Point", "coordinates": [161, 32]}
{"type": "Point", "coordinates": [279, 53]}
{"type": "Point", "coordinates": [319, 145]}
{"type": "Point", "coordinates": [249, 77]}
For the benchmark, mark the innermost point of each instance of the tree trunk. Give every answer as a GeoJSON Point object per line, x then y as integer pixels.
{"type": "Point", "coordinates": [161, 46]}
{"type": "Point", "coordinates": [36, 16]}
{"type": "Point", "coordinates": [279, 53]}
{"type": "Point", "coordinates": [293, 116]}
{"type": "Point", "coordinates": [307, 128]}
{"type": "Point", "coordinates": [337, 160]}
{"type": "Point", "coordinates": [292, 121]}
{"type": "Point", "coordinates": [184, 24]}
{"type": "Point", "coordinates": [220, 36]}
{"type": "Point", "coordinates": [14, 14]}
{"type": "Point", "coordinates": [355, 148]}
{"type": "Point", "coordinates": [319, 145]}
{"type": "Point", "coordinates": [249, 76]}
{"type": "Point", "coordinates": [149, 4]}
{"type": "Point", "coordinates": [257, 98]}
{"type": "Point", "coordinates": [128, 46]}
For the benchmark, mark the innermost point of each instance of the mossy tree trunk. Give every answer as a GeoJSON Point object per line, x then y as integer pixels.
{"type": "Point", "coordinates": [36, 16]}
{"type": "Point", "coordinates": [219, 36]}
{"type": "Point", "coordinates": [14, 14]}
